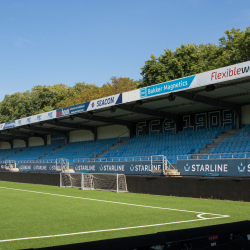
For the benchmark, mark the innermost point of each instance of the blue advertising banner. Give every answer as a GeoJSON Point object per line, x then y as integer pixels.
{"type": "Point", "coordinates": [38, 167]}
{"type": "Point", "coordinates": [79, 108]}
{"type": "Point", "coordinates": [2, 168]}
{"type": "Point", "coordinates": [9, 125]}
{"type": "Point", "coordinates": [220, 167]}
{"type": "Point", "coordinates": [166, 87]}
{"type": "Point", "coordinates": [123, 167]}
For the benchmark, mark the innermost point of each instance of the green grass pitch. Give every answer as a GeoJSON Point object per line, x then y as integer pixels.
{"type": "Point", "coordinates": [33, 216]}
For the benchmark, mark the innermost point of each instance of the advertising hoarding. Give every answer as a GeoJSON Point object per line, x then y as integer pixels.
{"type": "Point", "coordinates": [36, 118]}
{"type": "Point", "coordinates": [119, 167]}
{"type": "Point", "coordinates": [38, 167]}
{"type": "Point", "coordinates": [203, 79]}
{"type": "Point", "coordinates": [105, 102]}
{"type": "Point", "coordinates": [79, 108]}
{"type": "Point", "coordinates": [220, 167]}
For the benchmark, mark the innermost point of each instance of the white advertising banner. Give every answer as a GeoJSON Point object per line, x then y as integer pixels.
{"type": "Point", "coordinates": [36, 118]}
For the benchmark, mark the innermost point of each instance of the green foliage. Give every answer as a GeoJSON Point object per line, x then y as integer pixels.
{"type": "Point", "coordinates": [83, 92]}
{"type": "Point", "coordinates": [45, 97]}
{"type": "Point", "coordinates": [16, 106]}
{"type": "Point", "coordinates": [193, 59]}
{"type": "Point", "coordinates": [236, 46]}
{"type": "Point", "coordinates": [40, 99]}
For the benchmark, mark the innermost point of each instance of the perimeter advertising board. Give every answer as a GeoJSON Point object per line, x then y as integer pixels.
{"type": "Point", "coordinates": [38, 167]}
{"type": "Point", "coordinates": [220, 167]}
{"type": "Point", "coordinates": [2, 168]}
{"type": "Point", "coordinates": [123, 167]}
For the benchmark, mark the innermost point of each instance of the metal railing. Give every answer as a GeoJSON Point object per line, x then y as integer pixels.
{"type": "Point", "coordinates": [214, 156]}
{"type": "Point", "coordinates": [46, 161]}
{"type": "Point", "coordinates": [170, 167]}
{"type": "Point", "coordinates": [134, 158]}
{"type": "Point", "coordinates": [26, 161]}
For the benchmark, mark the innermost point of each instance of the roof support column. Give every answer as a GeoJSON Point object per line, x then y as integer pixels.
{"type": "Point", "coordinates": [238, 118]}
{"type": "Point", "coordinates": [27, 142]}
{"type": "Point", "coordinates": [178, 124]}
{"type": "Point", "coordinates": [130, 130]}
{"type": "Point", "coordinates": [66, 134]}
{"type": "Point", "coordinates": [45, 140]}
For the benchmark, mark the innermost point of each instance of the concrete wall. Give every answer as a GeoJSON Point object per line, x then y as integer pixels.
{"type": "Point", "coordinates": [19, 143]}
{"type": "Point", "coordinates": [112, 131]}
{"type": "Point", "coordinates": [36, 141]}
{"type": "Point", "coordinates": [80, 135]}
{"type": "Point", "coordinates": [4, 145]}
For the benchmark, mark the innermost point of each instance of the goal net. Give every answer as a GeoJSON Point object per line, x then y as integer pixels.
{"type": "Point", "coordinates": [107, 182]}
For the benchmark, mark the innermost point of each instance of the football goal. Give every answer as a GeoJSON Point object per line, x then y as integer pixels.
{"type": "Point", "coordinates": [85, 181]}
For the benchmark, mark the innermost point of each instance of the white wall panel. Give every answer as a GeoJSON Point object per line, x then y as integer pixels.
{"type": "Point", "coordinates": [245, 114]}
{"type": "Point", "coordinates": [112, 131]}
{"type": "Point", "coordinates": [19, 144]}
{"type": "Point", "coordinates": [35, 141]}
{"type": "Point", "coordinates": [131, 96]}
{"type": "Point", "coordinates": [80, 135]}
{"type": "Point", "coordinates": [4, 145]}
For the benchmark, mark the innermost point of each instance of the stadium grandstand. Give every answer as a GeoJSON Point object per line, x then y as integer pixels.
{"type": "Point", "coordinates": [164, 129]}
{"type": "Point", "coordinates": [178, 140]}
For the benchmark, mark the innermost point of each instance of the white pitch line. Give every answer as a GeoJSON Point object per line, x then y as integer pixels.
{"type": "Point", "coordinates": [106, 230]}
{"type": "Point", "coordinates": [121, 203]}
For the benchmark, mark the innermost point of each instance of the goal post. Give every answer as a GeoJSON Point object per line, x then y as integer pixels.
{"type": "Point", "coordinates": [86, 181]}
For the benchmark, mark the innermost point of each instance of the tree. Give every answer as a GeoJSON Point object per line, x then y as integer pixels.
{"type": "Point", "coordinates": [236, 46]}
{"type": "Point", "coordinates": [45, 98]}
{"type": "Point", "coordinates": [83, 92]}
{"type": "Point", "coordinates": [16, 106]}
{"type": "Point", "coordinates": [39, 100]}
{"type": "Point", "coordinates": [193, 59]}
{"type": "Point", "coordinates": [79, 93]}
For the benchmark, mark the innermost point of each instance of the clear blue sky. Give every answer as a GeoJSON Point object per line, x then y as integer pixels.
{"type": "Point", "coordinates": [45, 42]}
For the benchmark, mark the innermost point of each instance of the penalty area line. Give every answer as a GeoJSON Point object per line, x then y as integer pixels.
{"type": "Point", "coordinates": [106, 230]}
